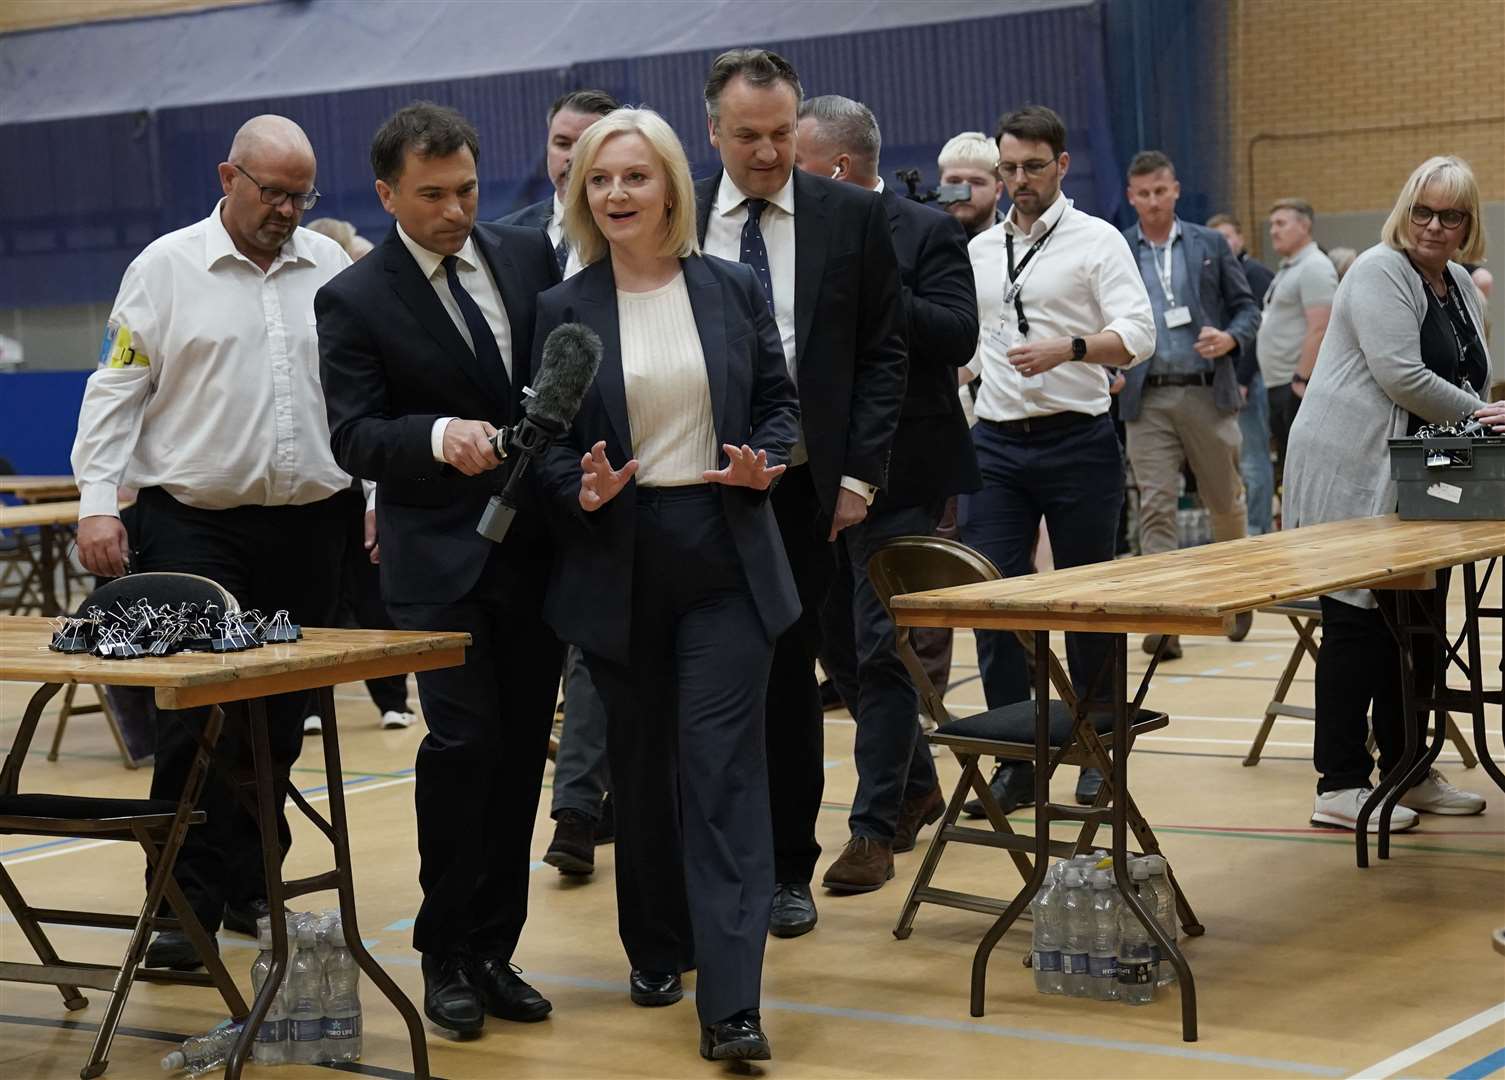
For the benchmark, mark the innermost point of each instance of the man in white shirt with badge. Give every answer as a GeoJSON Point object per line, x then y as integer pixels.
{"type": "Point", "coordinates": [1061, 304]}
{"type": "Point", "coordinates": [207, 400]}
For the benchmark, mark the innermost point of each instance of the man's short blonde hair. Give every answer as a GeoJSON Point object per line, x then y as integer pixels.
{"type": "Point", "coordinates": [580, 226]}
{"type": "Point", "coordinates": [1459, 188]}
{"type": "Point", "coordinates": [969, 150]}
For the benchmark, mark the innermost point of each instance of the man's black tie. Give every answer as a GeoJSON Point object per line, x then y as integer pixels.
{"type": "Point", "coordinates": [482, 337]}
{"type": "Point", "coordinates": [754, 251]}
{"type": "Point", "coordinates": [562, 254]}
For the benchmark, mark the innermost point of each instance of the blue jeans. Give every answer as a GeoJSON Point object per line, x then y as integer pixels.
{"type": "Point", "coordinates": [1258, 472]}
{"type": "Point", "coordinates": [1073, 477]}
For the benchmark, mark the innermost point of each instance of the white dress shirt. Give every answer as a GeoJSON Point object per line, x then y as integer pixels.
{"type": "Point", "coordinates": [1084, 281]}
{"type": "Point", "coordinates": [208, 381]}
{"type": "Point", "coordinates": [556, 233]}
{"type": "Point", "coordinates": [476, 278]}
{"type": "Point", "coordinates": [668, 391]}
{"type": "Point", "coordinates": [723, 238]}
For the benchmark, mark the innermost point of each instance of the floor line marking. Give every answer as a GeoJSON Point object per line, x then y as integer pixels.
{"type": "Point", "coordinates": [1396, 1063]}
{"type": "Point", "coordinates": [1478, 1070]}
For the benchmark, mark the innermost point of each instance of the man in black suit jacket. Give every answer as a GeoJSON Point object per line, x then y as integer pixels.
{"type": "Point", "coordinates": [425, 347]}
{"type": "Point", "coordinates": [897, 789]}
{"type": "Point", "coordinates": [826, 260]}
{"type": "Point", "coordinates": [569, 116]}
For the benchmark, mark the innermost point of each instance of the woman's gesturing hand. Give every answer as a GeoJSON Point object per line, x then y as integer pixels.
{"type": "Point", "coordinates": [745, 467]}
{"type": "Point", "coordinates": [1492, 416]}
{"type": "Point", "coordinates": [599, 482]}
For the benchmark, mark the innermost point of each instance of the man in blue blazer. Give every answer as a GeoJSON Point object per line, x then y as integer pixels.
{"type": "Point", "coordinates": [825, 256]}
{"type": "Point", "coordinates": [1181, 406]}
{"type": "Point", "coordinates": [425, 346]}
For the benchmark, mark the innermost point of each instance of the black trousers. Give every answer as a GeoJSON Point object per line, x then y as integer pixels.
{"type": "Point", "coordinates": [796, 728]}
{"type": "Point", "coordinates": [268, 557]}
{"type": "Point", "coordinates": [685, 742]}
{"type": "Point", "coordinates": [1283, 407]}
{"type": "Point", "coordinates": [480, 767]}
{"type": "Point", "coordinates": [361, 605]}
{"type": "Point", "coordinates": [1358, 665]}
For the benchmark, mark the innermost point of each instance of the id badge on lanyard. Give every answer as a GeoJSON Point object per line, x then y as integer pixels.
{"type": "Point", "coordinates": [1175, 314]}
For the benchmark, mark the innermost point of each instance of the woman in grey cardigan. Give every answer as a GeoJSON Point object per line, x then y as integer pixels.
{"type": "Point", "coordinates": [1404, 347]}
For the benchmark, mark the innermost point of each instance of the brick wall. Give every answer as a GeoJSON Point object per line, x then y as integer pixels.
{"type": "Point", "coordinates": [1336, 101]}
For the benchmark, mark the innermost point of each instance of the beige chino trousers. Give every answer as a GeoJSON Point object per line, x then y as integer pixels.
{"type": "Point", "coordinates": [1181, 424]}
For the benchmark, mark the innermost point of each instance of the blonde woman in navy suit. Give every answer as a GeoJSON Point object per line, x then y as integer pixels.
{"type": "Point", "coordinates": [671, 577]}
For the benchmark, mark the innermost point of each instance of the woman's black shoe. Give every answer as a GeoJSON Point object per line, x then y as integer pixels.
{"type": "Point", "coordinates": [652, 989]}
{"type": "Point", "coordinates": [450, 999]}
{"type": "Point", "coordinates": [737, 1038]}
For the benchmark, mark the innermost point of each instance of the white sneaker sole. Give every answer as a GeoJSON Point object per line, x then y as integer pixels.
{"type": "Point", "coordinates": [1447, 811]}
{"type": "Point", "coordinates": [1333, 821]}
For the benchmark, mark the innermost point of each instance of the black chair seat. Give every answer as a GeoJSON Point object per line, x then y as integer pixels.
{"type": "Point", "coordinates": [1016, 724]}
{"type": "Point", "coordinates": [81, 808]}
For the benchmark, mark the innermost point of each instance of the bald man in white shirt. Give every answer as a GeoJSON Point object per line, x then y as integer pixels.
{"type": "Point", "coordinates": [207, 400]}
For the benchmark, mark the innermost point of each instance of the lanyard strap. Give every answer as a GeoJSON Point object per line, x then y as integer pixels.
{"type": "Point", "coordinates": [1166, 271]}
{"type": "Point", "coordinates": [1017, 274]}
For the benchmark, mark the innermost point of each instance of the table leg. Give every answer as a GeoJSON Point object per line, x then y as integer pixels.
{"type": "Point", "coordinates": [1169, 950]}
{"type": "Point", "coordinates": [1472, 613]}
{"type": "Point", "coordinates": [47, 560]}
{"type": "Point", "coordinates": [271, 855]}
{"type": "Point", "coordinates": [340, 839]}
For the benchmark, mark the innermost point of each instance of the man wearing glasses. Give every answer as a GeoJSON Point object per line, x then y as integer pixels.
{"type": "Point", "coordinates": [207, 401]}
{"type": "Point", "coordinates": [1060, 304]}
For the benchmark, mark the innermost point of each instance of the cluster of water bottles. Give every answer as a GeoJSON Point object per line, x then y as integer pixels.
{"type": "Point", "coordinates": [1088, 943]}
{"type": "Point", "coordinates": [314, 1017]}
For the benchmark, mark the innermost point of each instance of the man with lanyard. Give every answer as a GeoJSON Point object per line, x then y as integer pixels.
{"type": "Point", "coordinates": [1059, 299]}
{"type": "Point", "coordinates": [208, 400]}
{"type": "Point", "coordinates": [1182, 406]}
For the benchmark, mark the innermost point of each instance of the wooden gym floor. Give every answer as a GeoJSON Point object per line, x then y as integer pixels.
{"type": "Point", "coordinates": [1309, 967]}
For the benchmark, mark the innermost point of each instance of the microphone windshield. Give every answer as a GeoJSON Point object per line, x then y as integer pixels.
{"type": "Point", "coordinates": [571, 354]}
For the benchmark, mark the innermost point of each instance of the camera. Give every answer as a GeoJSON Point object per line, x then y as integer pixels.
{"type": "Point", "coordinates": [941, 195]}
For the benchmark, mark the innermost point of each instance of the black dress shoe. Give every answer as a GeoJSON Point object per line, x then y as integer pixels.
{"type": "Point", "coordinates": [651, 989]}
{"type": "Point", "coordinates": [793, 911]}
{"type": "Point", "coordinates": [172, 949]}
{"type": "Point", "coordinates": [830, 697]}
{"type": "Point", "coordinates": [241, 918]}
{"type": "Point", "coordinates": [1088, 784]}
{"type": "Point", "coordinates": [737, 1038]}
{"type": "Point", "coordinates": [450, 999]}
{"type": "Point", "coordinates": [606, 827]}
{"type": "Point", "coordinates": [506, 996]}
{"type": "Point", "coordinates": [573, 849]}
{"type": "Point", "coordinates": [1013, 785]}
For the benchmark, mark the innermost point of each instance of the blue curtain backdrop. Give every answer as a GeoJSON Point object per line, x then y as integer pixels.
{"type": "Point", "coordinates": [87, 194]}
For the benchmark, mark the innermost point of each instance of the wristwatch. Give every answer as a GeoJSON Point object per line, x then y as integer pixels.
{"type": "Point", "coordinates": [1078, 348]}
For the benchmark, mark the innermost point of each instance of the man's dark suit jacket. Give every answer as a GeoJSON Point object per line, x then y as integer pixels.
{"type": "Point", "coordinates": [536, 216]}
{"type": "Point", "coordinates": [589, 602]}
{"type": "Point", "coordinates": [1221, 299]}
{"type": "Point", "coordinates": [850, 363]}
{"type": "Point", "coordinates": [392, 362]}
{"type": "Point", "coordinates": [933, 454]}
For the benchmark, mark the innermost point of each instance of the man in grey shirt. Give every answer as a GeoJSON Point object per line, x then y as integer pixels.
{"type": "Point", "coordinates": [1295, 317]}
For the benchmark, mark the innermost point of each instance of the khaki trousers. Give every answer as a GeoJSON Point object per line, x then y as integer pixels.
{"type": "Point", "coordinates": [1181, 424]}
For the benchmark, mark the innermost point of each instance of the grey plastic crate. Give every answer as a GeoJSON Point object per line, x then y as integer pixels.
{"type": "Point", "coordinates": [1449, 479]}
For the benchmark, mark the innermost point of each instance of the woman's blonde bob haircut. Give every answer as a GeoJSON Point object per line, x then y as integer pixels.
{"type": "Point", "coordinates": [1456, 181]}
{"type": "Point", "coordinates": [579, 224]}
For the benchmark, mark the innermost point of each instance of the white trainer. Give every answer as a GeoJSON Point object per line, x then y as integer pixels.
{"type": "Point", "coordinates": [1340, 810]}
{"type": "Point", "coordinates": [312, 725]}
{"type": "Point", "coordinates": [1434, 795]}
{"type": "Point", "coordinates": [392, 719]}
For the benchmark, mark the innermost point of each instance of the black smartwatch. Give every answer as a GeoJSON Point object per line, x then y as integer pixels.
{"type": "Point", "coordinates": [1078, 348]}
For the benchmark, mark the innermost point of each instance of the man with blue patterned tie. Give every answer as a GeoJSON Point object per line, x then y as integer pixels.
{"type": "Point", "coordinates": [569, 116]}
{"type": "Point", "coordinates": [824, 254]}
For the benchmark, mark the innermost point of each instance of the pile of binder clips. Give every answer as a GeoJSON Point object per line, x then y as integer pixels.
{"type": "Point", "coordinates": [129, 632]}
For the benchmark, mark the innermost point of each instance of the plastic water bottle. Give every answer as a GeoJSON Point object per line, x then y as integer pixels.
{"type": "Point", "coordinates": [1046, 955]}
{"type": "Point", "coordinates": [1102, 960]}
{"type": "Point", "coordinates": [203, 1052]}
{"type": "Point", "coordinates": [342, 1000]}
{"type": "Point", "coordinates": [305, 997]}
{"type": "Point", "coordinates": [1076, 908]}
{"type": "Point", "coordinates": [271, 1037]}
{"type": "Point", "coordinates": [1136, 960]}
{"type": "Point", "coordinates": [1165, 913]}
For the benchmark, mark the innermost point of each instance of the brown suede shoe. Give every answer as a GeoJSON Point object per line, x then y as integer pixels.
{"type": "Point", "coordinates": [914, 815]}
{"type": "Point", "coordinates": [864, 865]}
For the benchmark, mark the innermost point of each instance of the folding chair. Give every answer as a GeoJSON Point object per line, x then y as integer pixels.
{"type": "Point", "coordinates": [157, 825]}
{"type": "Point", "coordinates": [917, 564]}
{"type": "Point", "coordinates": [1306, 616]}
